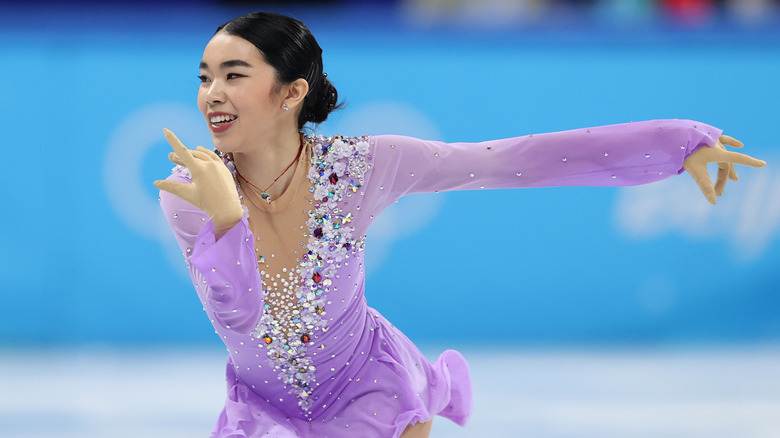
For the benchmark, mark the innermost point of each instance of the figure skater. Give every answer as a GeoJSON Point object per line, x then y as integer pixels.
{"type": "Point", "coordinates": [273, 226]}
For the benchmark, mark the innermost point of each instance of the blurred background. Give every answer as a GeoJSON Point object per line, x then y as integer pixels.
{"type": "Point", "coordinates": [584, 311]}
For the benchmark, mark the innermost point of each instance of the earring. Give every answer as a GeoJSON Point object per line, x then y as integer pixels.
{"type": "Point", "coordinates": [285, 107]}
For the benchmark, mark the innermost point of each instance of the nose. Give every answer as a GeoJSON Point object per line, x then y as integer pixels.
{"type": "Point", "coordinates": [215, 94]}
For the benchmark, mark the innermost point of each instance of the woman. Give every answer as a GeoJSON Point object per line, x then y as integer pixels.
{"type": "Point", "coordinates": [273, 232]}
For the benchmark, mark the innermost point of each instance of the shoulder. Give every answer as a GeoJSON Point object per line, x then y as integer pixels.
{"type": "Point", "coordinates": [367, 148]}
{"type": "Point", "coordinates": [339, 165]}
{"type": "Point", "coordinates": [339, 155]}
{"type": "Point", "coordinates": [180, 173]}
{"type": "Point", "coordinates": [342, 146]}
{"type": "Point", "coordinates": [339, 146]}
{"type": "Point", "coordinates": [171, 204]}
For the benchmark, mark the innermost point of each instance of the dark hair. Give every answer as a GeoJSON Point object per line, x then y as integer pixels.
{"type": "Point", "coordinates": [289, 47]}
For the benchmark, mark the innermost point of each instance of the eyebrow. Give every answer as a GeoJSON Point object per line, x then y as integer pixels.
{"type": "Point", "coordinates": [227, 64]}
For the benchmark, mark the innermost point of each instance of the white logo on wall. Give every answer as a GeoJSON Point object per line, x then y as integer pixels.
{"type": "Point", "coordinates": [748, 214]}
{"type": "Point", "coordinates": [132, 197]}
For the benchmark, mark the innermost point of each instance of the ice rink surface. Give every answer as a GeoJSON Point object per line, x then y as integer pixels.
{"type": "Point", "coordinates": [610, 392]}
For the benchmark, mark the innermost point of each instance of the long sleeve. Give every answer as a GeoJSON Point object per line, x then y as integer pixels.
{"type": "Point", "coordinates": [224, 271]}
{"type": "Point", "coordinates": [614, 155]}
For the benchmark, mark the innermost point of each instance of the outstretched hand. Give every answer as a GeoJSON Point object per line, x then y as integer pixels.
{"type": "Point", "coordinates": [696, 166]}
{"type": "Point", "coordinates": [212, 190]}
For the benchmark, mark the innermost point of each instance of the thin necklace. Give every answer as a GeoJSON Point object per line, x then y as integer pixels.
{"type": "Point", "coordinates": [264, 193]}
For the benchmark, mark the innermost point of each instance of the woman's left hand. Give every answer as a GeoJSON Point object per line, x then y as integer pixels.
{"type": "Point", "coordinates": [696, 166]}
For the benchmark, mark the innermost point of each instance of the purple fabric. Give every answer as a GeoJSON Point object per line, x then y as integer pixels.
{"type": "Point", "coordinates": [371, 380]}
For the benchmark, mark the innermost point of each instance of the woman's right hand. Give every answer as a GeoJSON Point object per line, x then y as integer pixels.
{"type": "Point", "coordinates": [212, 190]}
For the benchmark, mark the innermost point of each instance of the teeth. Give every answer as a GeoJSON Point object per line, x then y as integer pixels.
{"type": "Point", "coordinates": [223, 118]}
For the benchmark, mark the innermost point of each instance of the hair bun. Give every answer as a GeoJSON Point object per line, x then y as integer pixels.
{"type": "Point", "coordinates": [320, 102]}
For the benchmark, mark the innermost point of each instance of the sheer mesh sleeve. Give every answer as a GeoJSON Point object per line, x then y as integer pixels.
{"type": "Point", "coordinates": [224, 271]}
{"type": "Point", "coordinates": [615, 155]}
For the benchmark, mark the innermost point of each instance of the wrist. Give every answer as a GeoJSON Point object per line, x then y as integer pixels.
{"type": "Point", "coordinates": [225, 220]}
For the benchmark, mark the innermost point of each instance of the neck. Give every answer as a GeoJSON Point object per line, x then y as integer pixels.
{"type": "Point", "coordinates": [268, 159]}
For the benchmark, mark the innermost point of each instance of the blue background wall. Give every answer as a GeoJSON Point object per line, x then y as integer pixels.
{"type": "Point", "coordinates": [86, 256]}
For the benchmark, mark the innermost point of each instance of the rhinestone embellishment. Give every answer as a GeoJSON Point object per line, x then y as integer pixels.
{"type": "Point", "coordinates": [337, 171]}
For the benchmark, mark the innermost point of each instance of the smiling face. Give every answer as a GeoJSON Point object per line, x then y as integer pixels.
{"type": "Point", "coordinates": [239, 94]}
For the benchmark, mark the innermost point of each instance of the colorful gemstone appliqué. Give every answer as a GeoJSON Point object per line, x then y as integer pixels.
{"type": "Point", "coordinates": [339, 165]}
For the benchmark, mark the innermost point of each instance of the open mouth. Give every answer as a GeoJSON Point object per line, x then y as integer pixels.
{"type": "Point", "coordinates": [222, 120]}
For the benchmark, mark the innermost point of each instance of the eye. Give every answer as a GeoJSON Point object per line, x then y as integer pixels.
{"type": "Point", "coordinates": [234, 76]}
{"type": "Point", "coordinates": [203, 78]}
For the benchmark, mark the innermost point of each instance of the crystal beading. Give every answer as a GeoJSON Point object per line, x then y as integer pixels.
{"type": "Point", "coordinates": [339, 165]}
{"type": "Point", "coordinates": [337, 171]}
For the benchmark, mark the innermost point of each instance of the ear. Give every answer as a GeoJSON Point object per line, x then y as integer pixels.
{"type": "Point", "coordinates": [295, 92]}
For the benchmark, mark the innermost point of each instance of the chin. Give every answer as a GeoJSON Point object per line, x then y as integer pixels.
{"type": "Point", "coordinates": [222, 145]}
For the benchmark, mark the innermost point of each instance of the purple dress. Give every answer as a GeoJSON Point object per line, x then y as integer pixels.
{"type": "Point", "coordinates": [341, 369]}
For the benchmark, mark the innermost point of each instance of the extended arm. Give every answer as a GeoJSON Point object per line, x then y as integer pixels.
{"type": "Point", "coordinates": [615, 155]}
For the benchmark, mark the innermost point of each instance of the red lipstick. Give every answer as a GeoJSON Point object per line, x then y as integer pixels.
{"type": "Point", "coordinates": [220, 122]}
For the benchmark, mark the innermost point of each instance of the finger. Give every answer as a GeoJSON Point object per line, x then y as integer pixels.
{"type": "Point", "coordinates": [733, 172]}
{"type": "Point", "coordinates": [720, 182]}
{"type": "Point", "coordinates": [168, 186]}
{"type": "Point", "coordinates": [178, 146]}
{"type": "Point", "coordinates": [183, 190]}
{"type": "Point", "coordinates": [200, 155]}
{"type": "Point", "coordinates": [731, 141]}
{"type": "Point", "coordinates": [737, 158]}
{"type": "Point", "coordinates": [211, 154]}
{"type": "Point", "coordinates": [702, 178]}
{"type": "Point", "coordinates": [175, 159]}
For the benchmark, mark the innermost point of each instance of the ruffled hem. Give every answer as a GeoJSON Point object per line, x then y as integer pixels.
{"type": "Point", "coordinates": [453, 366]}
{"type": "Point", "coordinates": [247, 415]}
{"type": "Point", "coordinates": [453, 370]}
